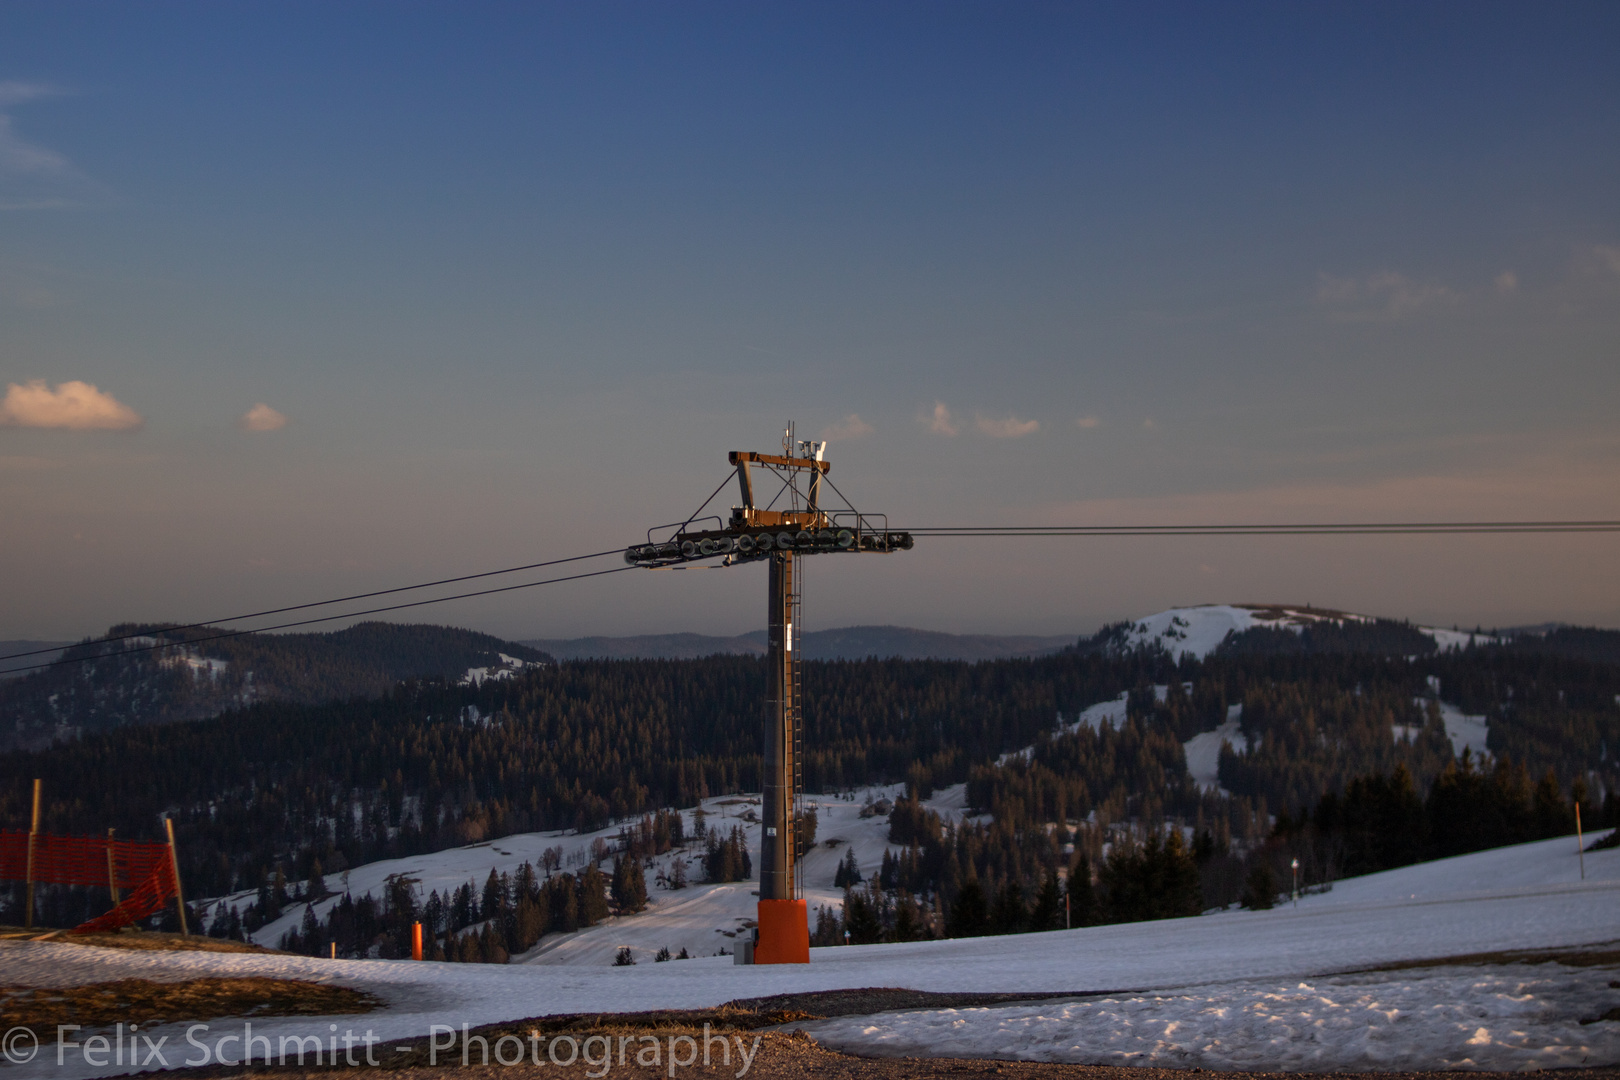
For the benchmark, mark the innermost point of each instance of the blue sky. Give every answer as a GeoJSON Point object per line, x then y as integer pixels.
{"type": "Point", "coordinates": [511, 278]}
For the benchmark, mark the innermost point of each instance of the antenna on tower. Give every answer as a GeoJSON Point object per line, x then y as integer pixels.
{"type": "Point", "coordinates": [779, 537]}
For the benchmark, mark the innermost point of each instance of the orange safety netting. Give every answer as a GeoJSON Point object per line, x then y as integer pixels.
{"type": "Point", "coordinates": [145, 869]}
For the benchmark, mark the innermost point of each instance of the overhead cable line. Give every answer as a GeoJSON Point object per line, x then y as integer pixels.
{"type": "Point", "coordinates": [1398, 528]}
{"type": "Point", "coordinates": [339, 600]}
{"type": "Point", "coordinates": [1386, 528]}
{"type": "Point", "coordinates": [308, 622]}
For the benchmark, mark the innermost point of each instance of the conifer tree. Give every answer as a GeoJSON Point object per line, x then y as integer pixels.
{"type": "Point", "coordinates": [1007, 916]}
{"type": "Point", "coordinates": [629, 885]}
{"type": "Point", "coordinates": [848, 873]}
{"type": "Point", "coordinates": [907, 919]}
{"type": "Point", "coordinates": [969, 916]}
{"type": "Point", "coordinates": [1048, 911]}
{"type": "Point", "coordinates": [1082, 894]}
{"type": "Point", "coordinates": [861, 917]}
{"type": "Point", "coordinates": [1260, 888]}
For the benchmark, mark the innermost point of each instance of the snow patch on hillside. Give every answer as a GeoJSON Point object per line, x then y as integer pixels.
{"type": "Point", "coordinates": [1203, 751]}
{"type": "Point", "coordinates": [702, 918]}
{"type": "Point", "coordinates": [506, 669]}
{"type": "Point", "coordinates": [1465, 732]}
{"type": "Point", "coordinates": [1194, 631]}
{"type": "Point", "coordinates": [1199, 631]}
{"type": "Point", "coordinates": [1450, 640]}
{"type": "Point", "coordinates": [1104, 714]}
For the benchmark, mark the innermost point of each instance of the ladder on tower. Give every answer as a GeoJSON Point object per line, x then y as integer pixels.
{"type": "Point", "coordinates": [798, 728]}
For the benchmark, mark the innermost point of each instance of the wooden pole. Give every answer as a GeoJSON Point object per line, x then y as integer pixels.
{"type": "Point", "coordinates": [174, 862]}
{"type": "Point", "coordinates": [334, 950]}
{"type": "Point", "coordinates": [1580, 845]}
{"type": "Point", "coordinates": [112, 869]}
{"type": "Point", "coordinates": [416, 941]}
{"type": "Point", "coordinates": [33, 840]}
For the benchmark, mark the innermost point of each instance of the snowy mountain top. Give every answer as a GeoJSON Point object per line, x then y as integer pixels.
{"type": "Point", "coordinates": [1200, 630]}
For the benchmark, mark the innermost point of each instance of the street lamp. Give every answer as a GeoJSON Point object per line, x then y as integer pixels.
{"type": "Point", "coordinates": [1296, 883]}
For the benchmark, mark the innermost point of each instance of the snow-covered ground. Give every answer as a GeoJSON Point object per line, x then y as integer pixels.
{"type": "Point", "coordinates": [1519, 1017]}
{"type": "Point", "coordinates": [704, 919]}
{"type": "Point", "coordinates": [506, 669]}
{"type": "Point", "coordinates": [1198, 631]}
{"type": "Point", "coordinates": [1203, 751]}
{"type": "Point", "coordinates": [1456, 639]}
{"type": "Point", "coordinates": [701, 918]}
{"type": "Point", "coordinates": [1214, 991]}
{"type": "Point", "coordinates": [1465, 732]}
{"type": "Point", "coordinates": [1109, 714]}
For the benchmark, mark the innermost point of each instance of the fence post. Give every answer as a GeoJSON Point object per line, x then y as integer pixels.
{"type": "Point", "coordinates": [33, 840]}
{"type": "Point", "coordinates": [112, 869]}
{"type": "Point", "coordinates": [174, 863]}
{"type": "Point", "coordinates": [1580, 844]}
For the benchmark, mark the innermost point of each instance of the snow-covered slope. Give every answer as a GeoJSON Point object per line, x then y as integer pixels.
{"type": "Point", "coordinates": [1203, 751]}
{"type": "Point", "coordinates": [1214, 991]}
{"type": "Point", "coordinates": [701, 918]}
{"type": "Point", "coordinates": [1198, 631]}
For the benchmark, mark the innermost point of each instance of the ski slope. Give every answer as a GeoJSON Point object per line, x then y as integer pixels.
{"type": "Point", "coordinates": [1203, 751]}
{"type": "Point", "coordinates": [1274, 988]}
{"type": "Point", "coordinates": [702, 918]}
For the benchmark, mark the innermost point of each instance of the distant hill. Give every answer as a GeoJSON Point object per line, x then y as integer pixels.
{"type": "Point", "coordinates": [189, 679]}
{"type": "Point", "coordinates": [845, 643]}
{"type": "Point", "coordinates": [13, 668]}
{"type": "Point", "coordinates": [1272, 629]}
{"type": "Point", "coordinates": [1576, 642]}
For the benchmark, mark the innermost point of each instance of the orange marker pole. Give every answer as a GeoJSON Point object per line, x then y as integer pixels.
{"type": "Point", "coordinates": [33, 841]}
{"type": "Point", "coordinates": [174, 864]}
{"type": "Point", "coordinates": [416, 941]}
{"type": "Point", "coordinates": [112, 869]}
{"type": "Point", "coordinates": [1580, 844]}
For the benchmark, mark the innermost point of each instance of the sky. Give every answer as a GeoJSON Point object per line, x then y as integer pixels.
{"type": "Point", "coordinates": [299, 300]}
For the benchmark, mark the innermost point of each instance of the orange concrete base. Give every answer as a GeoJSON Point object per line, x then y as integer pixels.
{"type": "Point", "coordinates": [784, 933]}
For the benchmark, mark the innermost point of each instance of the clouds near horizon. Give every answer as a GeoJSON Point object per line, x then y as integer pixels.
{"type": "Point", "coordinates": [73, 405]}
{"type": "Point", "coordinates": [1005, 427]}
{"type": "Point", "coordinates": [939, 421]}
{"type": "Point", "coordinates": [850, 427]}
{"type": "Point", "coordinates": [262, 418]}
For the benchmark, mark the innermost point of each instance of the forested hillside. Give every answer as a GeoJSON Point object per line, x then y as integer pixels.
{"type": "Point", "coordinates": [432, 764]}
{"type": "Point", "coordinates": [97, 684]}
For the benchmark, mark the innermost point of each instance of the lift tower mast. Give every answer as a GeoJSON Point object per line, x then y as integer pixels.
{"type": "Point", "coordinates": [803, 526]}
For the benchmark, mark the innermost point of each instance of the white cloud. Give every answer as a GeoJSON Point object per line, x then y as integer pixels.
{"type": "Point", "coordinates": [34, 177]}
{"type": "Point", "coordinates": [1009, 428]}
{"type": "Point", "coordinates": [1087, 422]}
{"type": "Point", "coordinates": [1387, 294]}
{"type": "Point", "coordinates": [74, 405]}
{"type": "Point", "coordinates": [850, 427]}
{"type": "Point", "coordinates": [939, 421]}
{"type": "Point", "coordinates": [262, 418]}
{"type": "Point", "coordinates": [1507, 281]}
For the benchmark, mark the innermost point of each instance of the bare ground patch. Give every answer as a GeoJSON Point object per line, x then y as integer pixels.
{"type": "Point", "coordinates": [1605, 954]}
{"type": "Point", "coordinates": [150, 1004]}
{"type": "Point", "coordinates": [134, 939]}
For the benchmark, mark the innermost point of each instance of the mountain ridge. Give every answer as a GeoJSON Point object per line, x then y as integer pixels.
{"type": "Point", "coordinates": [841, 643]}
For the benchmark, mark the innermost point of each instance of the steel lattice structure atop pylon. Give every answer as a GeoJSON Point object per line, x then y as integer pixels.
{"type": "Point", "coordinates": [803, 525]}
